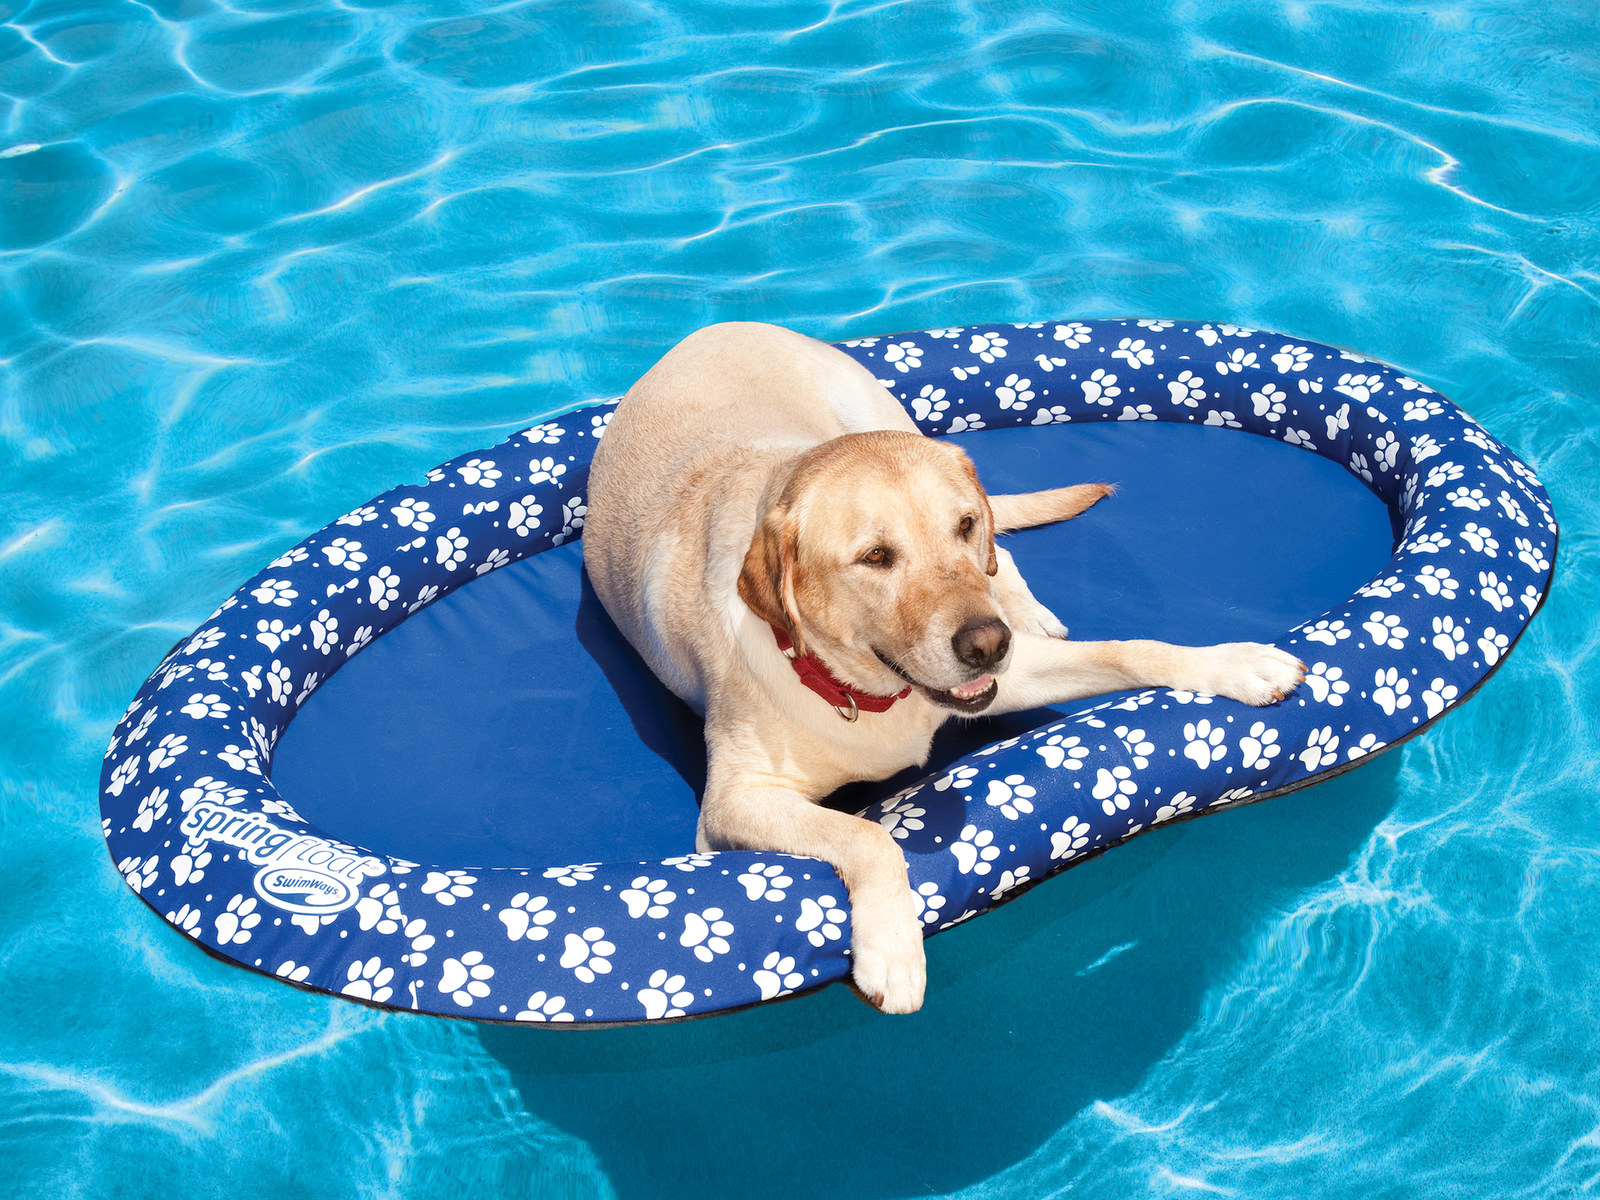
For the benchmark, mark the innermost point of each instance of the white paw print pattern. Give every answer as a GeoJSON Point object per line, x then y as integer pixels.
{"type": "Point", "coordinates": [765, 881]}
{"type": "Point", "coordinates": [1494, 591]}
{"type": "Point", "coordinates": [665, 996]}
{"type": "Point", "coordinates": [929, 902]}
{"type": "Point", "coordinates": [450, 548]}
{"type": "Point", "coordinates": [549, 433]}
{"type": "Point", "coordinates": [903, 817]}
{"type": "Point", "coordinates": [369, 980]}
{"type": "Point", "coordinates": [186, 920]}
{"type": "Point", "coordinates": [571, 876]}
{"type": "Point", "coordinates": [1359, 388]}
{"type": "Point", "coordinates": [707, 933]}
{"type": "Point", "coordinates": [777, 976]}
{"type": "Point", "coordinates": [380, 909]}
{"type": "Point", "coordinates": [124, 773]}
{"type": "Point", "coordinates": [1134, 352]}
{"type": "Point", "coordinates": [573, 514]}
{"type": "Point", "coordinates": [527, 917]}
{"type": "Point", "coordinates": [1493, 645]}
{"type": "Point", "coordinates": [1009, 881]}
{"type": "Point", "coordinates": [523, 516]}
{"type": "Point", "coordinates": [1438, 696]}
{"type": "Point", "coordinates": [1423, 448]}
{"type": "Point", "coordinates": [1014, 393]}
{"type": "Point", "coordinates": [903, 356]}
{"type": "Point", "coordinates": [235, 923]}
{"type": "Point", "coordinates": [479, 472]}
{"type": "Point", "coordinates": [1469, 498]}
{"type": "Point", "coordinates": [1329, 633]}
{"type": "Point", "coordinates": [1142, 412]}
{"type": "Point", "coordinates": [545, 470]}
{"type": "Point", "coordinates": [959, 778]}
{"type": "Point", "coordinates": [975, 851]}
{"type": "Point", "coordinates": [1337, 422]}
{"type": "Point", "coordinates": [466, 979]}
{"type": "Point", "coordinates": [1220, 419]}
{"type": "Point", "coordinates": [1187, 390]}
{"type": "Point", "coordinates": [1074, 334]}
{"type": "Point", "coordinates": [1258, 747]}
{"type": "Point", "coordinates": [929, 404]}
{"type": "Point", "coordinates": [1291, 358]}
{"type": "Point", "coordinates": [275, 591]}
{"type": "Point", "coordinates": [988, 346]}
{"type": "Point", "coordinates": [202, 706]}
{"type": "Point", "coordinates": [1012, 796]}
{"type": "Point", "coordinates": [647, 897]}
{"type": "Point", "coordinates": [1368, 743]}
{"type": "Point", "coordinates": [588, 954]}
{"type": "Point", "coordinates": [1322, 749]}
{"type": "Point", "coordinates": [1100, 388]}
{"type": "Point", "coordinates": [1236, 361]}
{"type": "Point", "coordinates": [1181, 805]}
{"type": "Point", "coordinates": [821, 920]}
{"type": "Point", "coordinates": [1437, 581]}
{"type": "Point", "coordinates": [342, 552]}
{"type": "Point", "coordinates": [1060, 750]}
{"type": "Point", "coordinates": [1055, 414]}
{"type": "Point", "coordinates": [543, 1007]}
{"type": "Point", "coordinates": [1113, 788]}
{"type": "Point", "coordinates": [1480, 539]}
{"type": "Point", "coordinates": [1532, 556]}
{"type": "Point", "coordinates": [1269, 402]}
{"type": "Point", "coordinates": [189, 865]}
{"type": "Point", "coordinates": [411, 513]}
{"type": "Point", "coordinates": [325, 632]}
{"type": "Point", "coordinates": [1071, 840]}
{"type": "Point", "coordinates": [141, 872]}
{"type": "Point", "coordinates": [1389, 691]}
{"type": "Point", "coordinates": [1205, 743]}
{"type": "Point", "coordinates": [1138, 746]}
{"type": "Point", "coordinates": [448, 886]}
{"type": "Point", "coordinates": [1385, 630]}
{"type": "Point", "coordinates": [1449, 639]}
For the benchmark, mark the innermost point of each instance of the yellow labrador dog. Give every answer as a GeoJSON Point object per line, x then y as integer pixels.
{"type": "Point", "coordinates": [796, 561]}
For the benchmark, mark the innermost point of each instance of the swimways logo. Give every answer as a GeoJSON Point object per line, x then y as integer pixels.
{"type": "Point", "coordinates": [299, 872]}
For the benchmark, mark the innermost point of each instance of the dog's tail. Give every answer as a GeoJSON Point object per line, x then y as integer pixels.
{"type": "Point", "coordinates": [1028, 509]}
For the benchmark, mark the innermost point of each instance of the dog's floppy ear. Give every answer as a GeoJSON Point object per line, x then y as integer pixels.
{"type": "Point", "coordinates": [766, 584]}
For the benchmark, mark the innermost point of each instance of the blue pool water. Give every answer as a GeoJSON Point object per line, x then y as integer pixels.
{"type": "Point", "coordinates": [259, 261]}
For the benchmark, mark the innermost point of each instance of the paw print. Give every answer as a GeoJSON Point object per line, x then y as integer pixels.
{"type": "Point", "coordinates": [413, 514]}
{"type": "Point", "coordinates": [1448, 638]}
{"type": "Point", "coordinates": [1134, 352]}
{"type": "Point", "coordinates": [1056, 414]}
{"type": "Point", "coordinates": [291, 556]}
{"type": "Point", "coordinates": [451, 548]}
{"type": "Point", "coordinates": [1012, 797]}
{"type": "Point", "coordinates": [1390, 692]}
{"type": "Point", "coordinates": [903, 817]}
{"type": "Point", "coordinates": [448, 886]}
{"type": "Point", "coordinates": [1322, 749]}
{"type": "Point", "coordinates": [1420, 409]}
{"type": "Point", "coordinates": [325, 632]}
{"type": "Point", "coordinates": [202, 706]}
{"type": "Point", "coordinates": [1187, 390]}
{"type": "Point", "coordinates": [588, 954]}
{"type": "Point", "coordinates": [762, 881]}
{"type": "Point", "coordinates": [821, 920]}
{"type": "Point", "coordinates": [974, 851]}
{"type": "Point", "coordinates": [151, 809]}
{"type": "Point", "coordinates": [275, 591]}
{"type": "Point", "coordinates": [1074, 334]}
{"type": "Point", "coordinates": [1260, 746]}
{"type": "Point", "coordinates": [1480, 539]}
{"type": "Point", "coordinates": [274, 633]}
{"type": "Point", "coordinates": [957, 777]}
{"type": "Point", "coordinates": [141, 872]}
{"type": "Point", "coordinates": [1059, 750]}
{"type": "Point", "coordinates": [547, 434]}
{"type": "Point", "coordinates": [524, 515]}
{"type": "Point", "coordinates": [1291, 358]}
{"type": "Point", "coordinates": [1494, 591]}
{"type": "Point", "coordinates": [1205, 743]}
{"type": "Point", "coordinates": [527, 917]}
{"type": "Point", "coordinates": [1358, 466]}
{"type": "Point", "coordinates": [571, 876]}
{"type": "Point", "coordinates": [1438, 696]}
{"type": "Point", "coordinates": [1156, 326]}
{"type": "Point", "coordinates": [342, 552]}
{"type": "Point", "coordinates": [190, 865]}
{"type": "Point", "coordinates": [777, 976]}
{"type": "Point", "coordinates": [1222, 420]}
{"type": "Point", "coordinates": [1468, 498]}
{"type": "Point", "coordinates": [1359, 388]}
{"type": "Point", "coordinates": [1143, 412]}
{"type": "Point", "coordinates": [383, 589]}
{"type": "Point", "coordinates": [1208, 335]}
{"type": "Point", "coordinates": [988, 346]}
{"type": "Point", "coordinates": [903, 356]}
{"type": "Point", "coordinates": [1112, 788]}
{"type": "Point", "coordinates": [1071, 841]}
{"type": "Point", "coordinates": [1437, 581]}
{"type": "Point", "coordinates": [1475, 436]}
{"type": "Point", "coordinates": [1269, 402]}
{"type": "Point", "coordinates": [291, 970]}
{"type": "Point", "coordinates": [573, 514]}
{"type": "Point", "coordinates": [1530, 598]}
{"type": "Point", "coordinates": [240, 758]}
{"type": "Point", "coordinates": [279, 682]}
{"type": "Point", "coordinates": [929, 902]}
{"type": "Point", "coordinates": [369, 980]}
{"type": "Point", "coordinates": [1237, 361]}
{"type": "Point", "coordinates": [1338, 422]}
{"type": "Point", "coordinates": [380, 909]}
{"type": "Point", "coordinates": [542, 1007]}
{"type": "Point", "coordinates": [1382, 587]}
{"type": "Point", "coordinates": [1512, 509]}
{"type": "Point", "coordinates": [1423, 448]}
{"type": "Point", "coordinates": [1327, 684]}
{"type": "Point", "coordinates": [1136, 744]}
{"type": "Point", "coordinates": [1386, 450]}
{"type": "Point", "coordinates": [186, 920]}
{"type": "Point", "coordinates": [541, 470]}
{"type": "Point", "coordinates": [707, 932]}
{"type": "Point", "coordinates": [166, 752]}
{"type": "Point", "coordinates": [1493, 645]}
{"type": "Point", "coordinates": [647, 897]}
{"type": "Point", "coordinates": [234, 925]}
{"type": "Point", "coordinates": [479, 472]}
{"type": "Point", "coordinates": [1429, 543]}
{"type": "Point", "coordinates": [124, 774]}
{"type": "Point", "coordinates": [665, 997]}
{"type": "Point", "coordinates": [1180, 805]}
{"type": "Point", "coordinates": [1444, 473]}
{"type": "Point", "coordinates": [1385, 630]}
{"type": "Point", "coordinates": [464, 978]}
{"type": "Point", "coordinates": [929, 404]}
{"type": "Point", "coordinates": [1299, 437]}
{"type": "Point", "coordinates": [1007, 881]}
{"type": "Point", "coordinates": [1368, 743]}
{"type": "Point", "coordinates": [599, 425]}
{"type": "Point", "coordinates": [1525, 551]}
{"type": "Point", "coordinates": [1100, 388]}
{"type": "Point", "coordinates": [1014, 392]}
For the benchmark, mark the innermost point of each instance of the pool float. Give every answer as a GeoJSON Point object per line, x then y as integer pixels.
{"type": "Point", "coordinates": [488, 810]}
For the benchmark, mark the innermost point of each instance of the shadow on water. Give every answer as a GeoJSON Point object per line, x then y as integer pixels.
{"type": "Point", "coordinates": [1068, 995]}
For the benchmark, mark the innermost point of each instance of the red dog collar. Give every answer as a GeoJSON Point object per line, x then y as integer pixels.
{"type": "Point", "coordinates": [846, 700]}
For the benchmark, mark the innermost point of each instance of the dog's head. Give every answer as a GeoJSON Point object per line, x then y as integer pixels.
{"type": "Point", "coordinates": [877, 554]}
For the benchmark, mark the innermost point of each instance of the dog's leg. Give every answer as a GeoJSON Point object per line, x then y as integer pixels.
{"type": "Point", "coordinates": [1018, 606]}
{"type": "Point", "coordinates": [744, 813]}
{"type": "Point", "coordinates": [1047, 670]}
{"type": "Point", "coordinates": [1027, 509]}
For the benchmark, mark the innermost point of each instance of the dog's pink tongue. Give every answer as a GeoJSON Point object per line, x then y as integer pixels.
{"type": "Point", "coordinates": [977, 687]}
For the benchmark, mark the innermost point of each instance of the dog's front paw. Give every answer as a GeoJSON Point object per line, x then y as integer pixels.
{"type": "Point", "coordinates": [1251, 672]}
{"type": "Point", "coordinates": [891, 970]}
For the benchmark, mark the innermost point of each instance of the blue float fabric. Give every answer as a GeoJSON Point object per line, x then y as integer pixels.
{"type": "Point", "coordinates": [199, 829]}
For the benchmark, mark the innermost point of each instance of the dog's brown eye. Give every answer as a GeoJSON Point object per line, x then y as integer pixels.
{"type": "Point", "coordinates": [966, 526]}
{"type": "Point", "coordinates": [878, 556]}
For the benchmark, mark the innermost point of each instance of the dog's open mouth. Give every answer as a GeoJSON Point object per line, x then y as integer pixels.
{"type": "Point", "coordinates": [969, 697]}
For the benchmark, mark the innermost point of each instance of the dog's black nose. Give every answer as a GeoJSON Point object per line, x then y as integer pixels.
{"type": "Point", "coordinates": [982, 642]}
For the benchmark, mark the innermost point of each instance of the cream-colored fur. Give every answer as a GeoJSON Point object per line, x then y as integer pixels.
{"type": "Point", "coordinates": [755, 476]}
